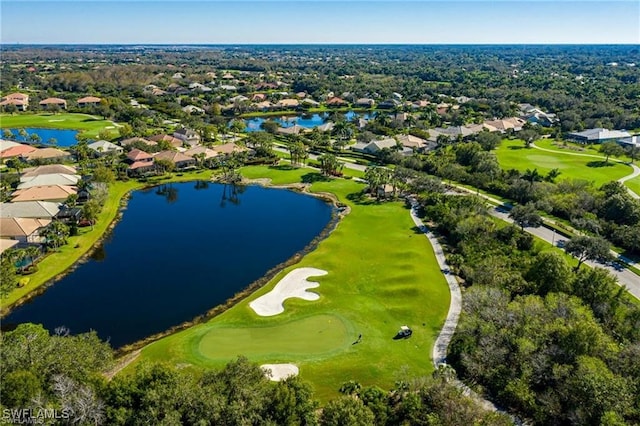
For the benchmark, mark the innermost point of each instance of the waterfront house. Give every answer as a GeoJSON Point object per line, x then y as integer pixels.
{"type": "Point", "coordinates": [49, 102]}
{"type": "Point", "coordinates": [30, 209]}
{"type": "Point", "coordinates": [180, 160]}
{"type": "Point", "coordinates": [19, 100]}
{"type": "Point", "coordinates": [46, 154]}
{"type": "Point", "coordinates": [52, 193]}
{"type": "Point", "coordinates": [22, 229]}
{"type": "Point", "coordinates": [104, 147]}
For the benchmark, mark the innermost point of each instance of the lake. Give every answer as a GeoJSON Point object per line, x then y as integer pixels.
{"type": "Point", "coordinates": [308, 121]}
{"type": "Point", "coordinates": [64, 138]}
{"type": "Point", "coordinates": [178, 251]}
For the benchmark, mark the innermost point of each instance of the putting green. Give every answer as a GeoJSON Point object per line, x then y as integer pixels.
{"type": "Point", "coordinates": [513, 155]}
{"type": "Point", "coordinates": [297, 340]}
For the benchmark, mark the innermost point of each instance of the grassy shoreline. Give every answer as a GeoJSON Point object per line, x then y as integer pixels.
{"type": "Point", "coordinates": [86, 124]}
{"type": "Point", "coordinates": [382, 274]}
{"type": "Point", "coordinates": [57, 264]}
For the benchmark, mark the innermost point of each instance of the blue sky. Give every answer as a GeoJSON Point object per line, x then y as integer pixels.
{"type": "Point", "coordinates": [320, 21]}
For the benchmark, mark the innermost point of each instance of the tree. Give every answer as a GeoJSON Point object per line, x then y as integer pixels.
{"type": "Point", "coordinates": [346, 411]}
{"type": "Point", "coordinates": [329, 164]}
{"type": "Point", "coordinates": [104, 174]}
{"type": "Point", "coordinates": [526, 216]}
{"type": "Point", "coordinates": [8, 278]}
{"type": "Point", "coordinates": [528, 136]}
{"type": "Point", "coordinates": [55, 234]}
{"type": "Point", "coordinates": [550, 272]}
{"type": "Point", "coordinates": [488, 140]}
{"type": "Point", "coordinates": [165, 165]}
{"type": "Point", "coordinates": [90, 211]}
{"type": "Point", "coordinates": [588, 248]}
{"type": "Point", "coordinates": [8, 135]}
{"type": "Point", "coordinates": [32, 252]}
{"type": "Point", "coordinates": [610, 148]}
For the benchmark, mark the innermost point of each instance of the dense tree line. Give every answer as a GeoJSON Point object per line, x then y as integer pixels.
{"type": "Point", "coordinates": [555, 343]}
{"type": "Point", "coordinates": [66, 373]}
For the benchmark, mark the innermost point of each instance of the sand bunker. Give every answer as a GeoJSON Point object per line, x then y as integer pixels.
{"type": "Point", "coordinates": [277, 372]}
{"type": "Point", "coordinates": [294, 284]}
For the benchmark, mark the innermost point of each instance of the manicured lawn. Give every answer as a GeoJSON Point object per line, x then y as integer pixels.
{"type": "Point", "coordinates": [381, 275]}
{"type": "Point", "coordinates": [634, 184]}
{"type": "Point", "coordinates": [566, 146]}
{"type": "Point", "coordinates": [58, 262]}
{"type": "Point", "coordinates": [512, 155]}
{"type": "Point", "coordinates": [88, 124]}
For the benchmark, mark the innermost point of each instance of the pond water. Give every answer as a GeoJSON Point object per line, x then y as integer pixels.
{"type": "Point", "coordinates": [308, 121]}
{"type": "Point", "coordinates": [179, 250]}
{"type": "Point", "coordinates": [63, 138]}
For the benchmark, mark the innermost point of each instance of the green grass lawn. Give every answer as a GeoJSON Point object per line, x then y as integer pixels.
{"type": "Point", "coordinates": [634, 184]}
{"type": "Point", "coordinates": [513, 155]}
{"type": "Point", "coordinates": [381, 275]}
{"type": "Point", "coordinates": [88, 124]}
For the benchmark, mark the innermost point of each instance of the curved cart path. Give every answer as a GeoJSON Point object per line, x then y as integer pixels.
{"type": "Point", "coordinates": [635, 173]}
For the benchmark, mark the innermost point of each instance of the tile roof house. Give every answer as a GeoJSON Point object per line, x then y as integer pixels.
{"type": "Point", "coordinates": [287, 103]}
{"type": "Point", "coordinates": [46, 154]}
{"type": "Point", "coordinates": [30, 209]}
{"type": "Point", "coordinates": [173, 141]}
{"type": "Point", "coordinates": [4, 144]}
{"type": "Point", "coordinates": [208, 153]}
{"type": "Point", "coordinates": [598, 135]}
{"type": "Point", "coordinates": [25, 230]}
{"type": "Point", "coordinates": [17, 151]}
{"type": "Point", "coordinates": [138, 155]}
{"type": "Point", "coordinates": [129, 141]}
{"type": "Point", "coordinates": [292, 130]}
{"type": "Point", "coordinates": [365, 102]}
{"type": "Point", "coordinates": [180, 160]}
{"type": "Point", "coordinates": [412, 142]}
{"type": "Point", "coordinates": [374, 147]}
{"type": "Point", "coordinates": [188, 136]}
{"type": "Point", "coordinates": [336, 102]}
{"type": "Point", "coordinates": [228, 148]}
{"type": "Point", "coordinates": [6, 244]}
{"type": "Point", "coordinates": [507, 123]}
{"type": "Point", "coordinates": [53, 101]}
{"type": "Point", "coordinates": [47, 170]}
{"type": "Point", "coordinates": [19, 100]}
{"type": "Point", "coordinates": [51, 179]}
{"type": "Point", "coordinates": [258, 97]}
{"type": "Point", "coordinates": [53, 193]}
{"type": "Point", "coordinates": [88, 101]}
{"type": "Point", "coordinates": [104, 147]}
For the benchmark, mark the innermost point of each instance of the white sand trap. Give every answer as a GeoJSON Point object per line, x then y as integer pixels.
{"type": "Point", "coordinates": [109, 127]}
{"type": "Point", "coordinates": [294, 284]}
{"type": "Point", "coordinates": [51, 121]}
{"type": "Point", "coordinates": [277, 372]}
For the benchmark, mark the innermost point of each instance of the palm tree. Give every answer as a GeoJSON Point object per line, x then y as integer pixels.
{"type": "Point", "coordinates": [32, 252]}
{"type": "Point", "coordinates": [329, 164]}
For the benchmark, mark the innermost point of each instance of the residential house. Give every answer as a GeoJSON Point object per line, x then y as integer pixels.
{"type": "Point", "coordinates": [47, 180]}
{"type": "Point", "coordinates": [288, 103]}
{"type": "Point", "coordinates": [326, 127]}
{"type": "Point", "coordinates": [4, 144]}
{"type": "Point", "coordinates": [228, 148]}
{"type": "Point", "coordinates": [228, 87]}
{"type": "Point", "coordinates": [88, 101]}
{"type": "Point", "coordinates": [49, 102]}
{"type": "Point", "coordinates": [30, 209]}
{"type": "Point", "coordinates": [19, 100]}
{"type": "Point", "coordinates": [46, 154]}
{"type": "Point", "coordinates": [598, 135]}
{"type": "Point", "coordinates": [105, 147]}
{"type": "Point", "coordinates": [420, 104]}
{"type": "Point", "coordinates": [389, 104]}
{"type": "Point", "coordinates": [413, 142]}
{"type": "Point", "coordinates": [52, 193]}
{"type": "Point", "coordinates": [172, 140]}
{"type": "Point", "coordinates": [309, 103]}
{"type": "Point", "coordinates": [138, 155]}
{"type": "Point", "coordinates": [180, 160]}
{"type": "Point", "coordinates": [336, 102]}
{"type": "Point", "coordinates": [187, 136]}
{"type": "Point", "coordinates": [192, 109]}
{"type": "Point", "coordinates": [292, 130]}
{"type": "Point", "coordinates": [24, 230]}
{"type": "Point", "coordinates": [512, 123]}
{"type": "Point", "coordinates": [258, 97]}
{"type": "Point", "coordinates": [131, 141]}
{"type": "Point", "coordinates": [17, 150]}
{"type": "Point", "coordinates": [208, 152]}
{"type": "Point", "coordinates": [6, 244]}
{"type": "Point", "coordinates": [140, 163]}
{"type": "Point", "coordinates": [262, 106]}
{"type": "Point", "coordinates": [376, 146]}
{"type": "Point", "coordinates": [365, 103]}
{"type": "Point", "coordinates": [47, 170]}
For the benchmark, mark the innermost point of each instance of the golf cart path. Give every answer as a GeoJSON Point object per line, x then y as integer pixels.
{"type": "Point", "coordinates": [439, 354]}
{"type": "Point", "coordinates": [635, 173]}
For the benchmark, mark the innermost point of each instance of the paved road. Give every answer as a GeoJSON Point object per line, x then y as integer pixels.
{"type": "Point", "coordinates": [635, 173]}
{"type": "Point", "coordinates": [625, 277]}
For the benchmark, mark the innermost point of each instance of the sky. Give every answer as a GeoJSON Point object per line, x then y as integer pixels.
{"type": "Point", "coordinates": [320, 22]}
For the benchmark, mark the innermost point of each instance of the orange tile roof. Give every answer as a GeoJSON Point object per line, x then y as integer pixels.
{"type": "Point", "coordinates": [54, 101]}
{"type": "Point", "coordinates": [89, 100]}
{"type": "Point", "coordinates": [42, 193]}
{"type": "Point", "coordinates": [138, 155]}
{"type": "Point", "coordinates": [20, 226]}
{"type": "Point", "coordinates": [16, 151]}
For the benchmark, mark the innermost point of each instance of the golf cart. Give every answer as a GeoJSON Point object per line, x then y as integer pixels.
{"type": "Point", "coordinates": [404, 332]}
